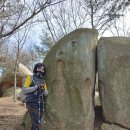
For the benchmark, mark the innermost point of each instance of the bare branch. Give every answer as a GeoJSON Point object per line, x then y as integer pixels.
{"type": "Point", "coordinates": [32, 15]}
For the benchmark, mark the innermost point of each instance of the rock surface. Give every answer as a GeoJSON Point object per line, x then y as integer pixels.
{"type": "Point", "coordinates": [7, 79]}
{"type": "Point", "coordinates": [114, 79]}
{"type": "Point", "coordinates": [111, 127]}
{"type": "Point", "coordinates": [71, 78]}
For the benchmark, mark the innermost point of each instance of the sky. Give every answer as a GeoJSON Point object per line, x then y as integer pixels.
{"type": "Point", "coordinates": [37, 31]}
{"type": "Point", "coordinates": [34, 38]}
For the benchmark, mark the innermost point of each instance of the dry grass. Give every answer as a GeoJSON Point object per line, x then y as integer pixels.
{"type": "Point", "coordinates": [11, 113]}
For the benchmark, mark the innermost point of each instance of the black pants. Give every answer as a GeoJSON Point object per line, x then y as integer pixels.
{"type": "Point", "coordinates": [35, 110]}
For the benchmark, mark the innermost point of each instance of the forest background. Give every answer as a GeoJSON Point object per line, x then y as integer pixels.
{"type": "Point", "coordinates": [29, 28]}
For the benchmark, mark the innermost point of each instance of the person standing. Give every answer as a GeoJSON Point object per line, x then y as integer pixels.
{"type": "Point", "coordinates": [35, 89]}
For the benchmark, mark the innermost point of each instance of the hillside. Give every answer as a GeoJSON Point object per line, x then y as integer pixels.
{"type": "Point", "coordinates": [11, 113]}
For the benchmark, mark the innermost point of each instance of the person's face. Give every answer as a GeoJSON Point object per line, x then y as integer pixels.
{"type": "Point", "coordinates": [41, 69]}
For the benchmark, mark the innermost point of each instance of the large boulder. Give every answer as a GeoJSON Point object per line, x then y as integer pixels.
{"type": "Point", "coordinates": [10, 91]}
{"type": "Point", "coordinates": [7, 79]}
{"type": "Point", "coordinates": [114, 77]}
{"type": "Point", "coordinates": [23, 70]}
{"type": "Point", "coordinates": [71, 78]}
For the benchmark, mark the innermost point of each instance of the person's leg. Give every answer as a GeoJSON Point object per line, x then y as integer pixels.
{"type": "Point", "coordinates": [33, 109]}
{"type": "Point", "coordinates": [35, 120]}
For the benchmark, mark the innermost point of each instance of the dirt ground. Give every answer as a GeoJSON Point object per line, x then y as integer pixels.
{"type": "Point", "coordinates": [11, 113]}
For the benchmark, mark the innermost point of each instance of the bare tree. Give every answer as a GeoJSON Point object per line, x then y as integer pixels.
{"type": "Point", "coordinates": [120, 27]}
{"type": "Point", "coordinates": [102, 12]}
{"type": "Point", "coordinates": [3, 51]}
{"type": "Point", "coordinates": [16, 53]}
{"type": "Point", "coordinates": [20, 41]}
{"type": "Point", "coordinates": [62, 18]}
{"type": "Point", "coordinates": [14, 16]}
{"type": "Point", "coordinates": [65, 17]}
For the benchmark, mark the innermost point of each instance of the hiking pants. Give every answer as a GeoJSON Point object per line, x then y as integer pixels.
{"type": "Point", "coordinates": [35, 113]}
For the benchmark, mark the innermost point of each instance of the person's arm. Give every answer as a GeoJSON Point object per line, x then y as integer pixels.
{"type": "Point", "coordinates": [26, 86]}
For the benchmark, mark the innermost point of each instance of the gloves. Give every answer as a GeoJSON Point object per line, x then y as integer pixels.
{"type": "Point", "coordinates": [44, 87]}
{"type": "Point", "coordinates": [45, 93]}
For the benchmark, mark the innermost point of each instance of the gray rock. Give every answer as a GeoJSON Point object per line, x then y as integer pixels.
{"type": "Point", "coordinates": [111, 127]}
{"type": "Point", "coordinates": [70, 78]}
{"type": "Point", "coordinates": [114, 79]}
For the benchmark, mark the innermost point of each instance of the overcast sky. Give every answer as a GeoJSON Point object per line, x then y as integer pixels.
{"type": "Point", "coordinates": [37, 30]}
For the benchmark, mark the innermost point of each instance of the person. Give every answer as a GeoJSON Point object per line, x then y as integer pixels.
{"type": "Point", "coordinates": [35, 89]}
